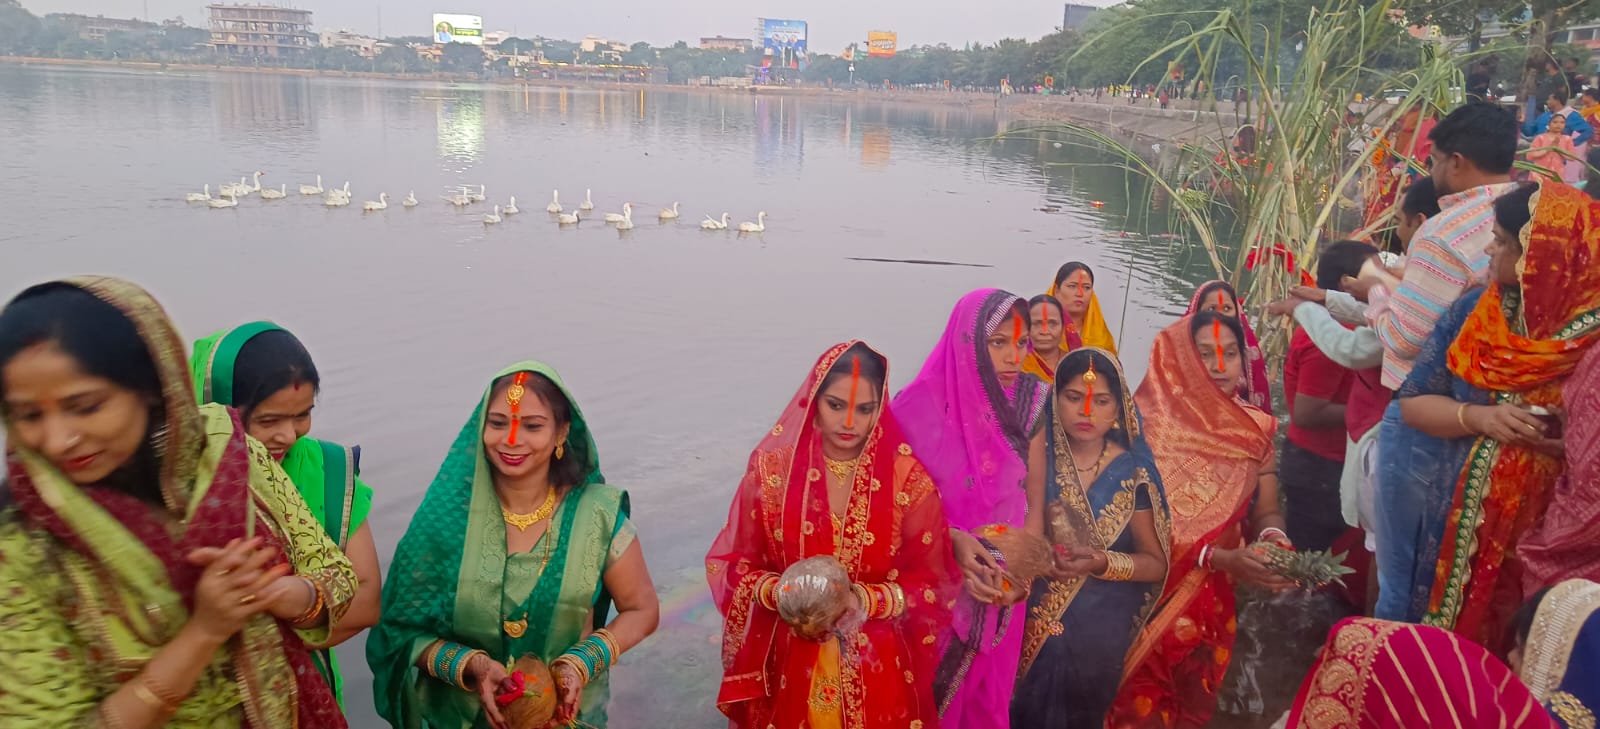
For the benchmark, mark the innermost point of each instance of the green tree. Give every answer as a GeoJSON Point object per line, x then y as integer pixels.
{"type": "Point", "coordinates": [19, 29]}
{"type": "Point", "coordinates": [461, 58]}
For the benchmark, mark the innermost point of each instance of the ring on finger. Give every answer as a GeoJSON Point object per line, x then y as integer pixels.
{"type": "Point", "coordinates": [247, 599]}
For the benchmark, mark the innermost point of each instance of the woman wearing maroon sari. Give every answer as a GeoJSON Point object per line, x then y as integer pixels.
{"type": "Point", "coordinates": [1215, 454]}
{"type": "Point", "coordinates": [834, 479]}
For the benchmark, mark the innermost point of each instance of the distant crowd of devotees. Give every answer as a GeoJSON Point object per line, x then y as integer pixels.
{"type": "Point", "coordinates": [1020, 537]}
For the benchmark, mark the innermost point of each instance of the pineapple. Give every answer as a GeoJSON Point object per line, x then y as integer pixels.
{"type": "Point", "coordinates": [1307, 569]}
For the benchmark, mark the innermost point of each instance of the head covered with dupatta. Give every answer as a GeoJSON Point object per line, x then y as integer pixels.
{"type": "Point", "coordinates": [198, 452]}
{"type": "Point", "coordinates": [1520, 343]}
{"type": "Point", "coordinates": [1376, 674]}
{"type": "Point", "coordinates": [1094, 332]}
{"type": "Point", "coordinates": [1561, 656]}
{"type": "Point", "coordinates": [1257, 389]}
{"type": "Point", "coordinates": [781, 515]}
{"type": "Point", "coordinates": [446, 578]}
{"type": "Point", "coordinates": [969, 430]}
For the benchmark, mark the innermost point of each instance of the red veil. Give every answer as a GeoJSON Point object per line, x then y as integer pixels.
{"type": "Point", "coordinates": [894, 532]}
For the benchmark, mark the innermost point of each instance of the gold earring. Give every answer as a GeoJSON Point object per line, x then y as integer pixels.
{"type": "Point", "coordinates": [561, 448]}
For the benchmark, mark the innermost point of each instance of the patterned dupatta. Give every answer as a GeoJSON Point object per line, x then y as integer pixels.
{"type": "Point", "coordinates": [1562, 656]}
{"type": "Point", "coordinates": [894, 531]}
{"type": "Point", "coordinates": [1561, 545]}
{"type": "Point", "coordinates": [1376, 674]}
{"type": "Point", "coordinates": [145, 586]}
{"type": "Point", "coordinates": [1209, 448]}
{"type": "Point", "coordinates": [1257, 388]}
{"type": "Point", "coordinates": [1095, 332]}
{"type": "Point", "coordinates": [1520, 345]}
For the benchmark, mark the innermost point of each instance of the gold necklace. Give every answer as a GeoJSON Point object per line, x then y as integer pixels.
{"type": "Point", "coordinates": [841, 470]}
{"type": "Point", "coordinates": [523, 521]}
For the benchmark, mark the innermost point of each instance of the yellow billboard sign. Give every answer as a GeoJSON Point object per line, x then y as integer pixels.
{"type": "Point", "coordinates": [880, 43]}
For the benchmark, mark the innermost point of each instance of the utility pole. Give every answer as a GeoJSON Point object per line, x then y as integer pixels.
{"type": "Point", "coordinates": [380, 22]}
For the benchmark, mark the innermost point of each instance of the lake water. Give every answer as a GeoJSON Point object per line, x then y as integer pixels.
{"type": "Point", "coordinates": [681, 345]}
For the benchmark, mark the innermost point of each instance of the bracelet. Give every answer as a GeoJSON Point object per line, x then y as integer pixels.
{"type": "Point", "coordinates": [1461, 417]}
{"type": "Point", "coordinates": [313, 612]}
{"type": "Point", "coordinates": [1203, 562]}
{"type": "Point", "coordinates": [155, 695]}
{"type": "Point", "coordinates": [573, 663]}
{"type": "Point", "coordinates": [1262, 537]}
{"type": "Point", "coordinates": [1119, 567]}
{"type": "Point", "coordinates": [866, 598]}
{"type": "Point", "coordinates": [612, 645]}
{"type": "Point", "coordinates": [458, 671]}
{"type": "Point", "coordinates": [767, 592]}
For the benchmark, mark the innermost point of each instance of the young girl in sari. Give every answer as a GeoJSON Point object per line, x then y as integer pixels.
{"type": "Point", "coordinates": [519, 548]}
{"type": "Point", "coordinates": [969, 415]}
{"type": "Point", "coordinates": [158, 567]}
{"type": "Point", "coordinates": [1045, 328]}
{"type": "Point", "coordinates": [1220, 296]}
{"type": "Point", "coordinates": [265, 373]}
{"type": "Point", "coordinates": [1085, 324]}
{"type": "Point", "coordinates": [834, 478]}
{"type": "Point", "coordinates": [1094, 490]}
{"type": "Point", "coordinates": [1484, 461]}
{"type": "Point", "coordinates": [1216, 454]}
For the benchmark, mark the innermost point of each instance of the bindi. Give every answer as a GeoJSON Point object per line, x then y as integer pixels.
{"type": "Point", "coordinates": [514, 399]}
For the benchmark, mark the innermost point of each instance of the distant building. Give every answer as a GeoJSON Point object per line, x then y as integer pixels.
{"type": "Point", "coordinates": [1075, 16]}
{"type": "Point", "coordinates": [609, 50]}
{"type": "Point", "coordinates": [95, 28]}
{"type": "Point", "coordinates": [359, 44]}
{"type": "Point", "coordinates": [723, 43]}
{"type": "Point", "coordinates": [261, 31]}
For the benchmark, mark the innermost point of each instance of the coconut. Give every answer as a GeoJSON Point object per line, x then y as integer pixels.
{"type": "Point", "coordinates": [1028, 557]}
{"type": "Point", "coordinates": [812, 594]}
{"type": "Point", "coordinates": [527, 697]}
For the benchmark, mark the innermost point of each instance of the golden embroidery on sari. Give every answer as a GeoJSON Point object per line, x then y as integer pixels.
{"type": "Point", "coordinates": [1571, 711]}
{"type": "Point", "coordinates": [1556, 624]}
{"type": "Point", "coordinates": [1337, 692]}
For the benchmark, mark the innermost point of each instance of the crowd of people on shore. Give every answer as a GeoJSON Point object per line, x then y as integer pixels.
{"type": "Point", "coordinates": [1021, 536]}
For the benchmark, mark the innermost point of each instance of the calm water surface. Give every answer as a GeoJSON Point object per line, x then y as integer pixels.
{"type": "Point", "coordinates": [681, 345]}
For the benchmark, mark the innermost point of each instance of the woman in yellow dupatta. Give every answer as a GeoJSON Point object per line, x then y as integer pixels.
{"type": "Point", "coordinates": [1085, 325]}
{"type": "Point", "coordinates": [158, 567]}
{"type": "Point", "coordinates": [1496, 353]}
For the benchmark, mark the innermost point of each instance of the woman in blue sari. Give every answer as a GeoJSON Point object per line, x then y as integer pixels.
{"type": "Point", "coordinates": [1558, 652]}
{"type": "Point", "coordinates": [1094, 493]}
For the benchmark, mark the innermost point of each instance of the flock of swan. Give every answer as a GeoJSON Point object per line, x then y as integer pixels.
{"type": "Point", "coordinates": [228, 195]}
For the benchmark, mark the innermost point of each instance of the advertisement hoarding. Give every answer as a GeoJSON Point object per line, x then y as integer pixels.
{"type": "Point", "coordinates": [784, 43]}
{"type": "Point", "coordinates": [881, 43]}
{"type": "Point", "coordinates": [450, 28]}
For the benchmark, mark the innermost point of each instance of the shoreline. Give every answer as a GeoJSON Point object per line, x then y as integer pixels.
{"type": "Point", "coordinates": [1140, 120]}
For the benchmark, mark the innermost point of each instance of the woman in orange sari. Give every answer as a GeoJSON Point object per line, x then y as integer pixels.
{"type": "Point", "coordinates": [1219, 452]}
{"type": "Point", "coordinates": [1498, 353]}
{"type": "Point", "coordinates": [815, 487]}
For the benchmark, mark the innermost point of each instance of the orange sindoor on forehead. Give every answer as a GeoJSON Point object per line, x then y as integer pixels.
{"type": "Point", "coordinates": [1088, 380]}
{"type": "Point", "coordinates": [855, 379]}
{"type": "Point", "coordinates": [1017, 330]}
{"type": "Point", "coordinates": [1216, 336]}
{"type": "Point", "coordinates": [514, 399]}
{"type": "Point", "coordinates": [1222, 302]}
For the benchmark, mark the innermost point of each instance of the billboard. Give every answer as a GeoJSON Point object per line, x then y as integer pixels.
{"type": "Point", "coordinates": [783, 42]}
{"type": "Point", "coordinates": [449, 28]}
{"type": "Point", "coordinates": [880, 43]}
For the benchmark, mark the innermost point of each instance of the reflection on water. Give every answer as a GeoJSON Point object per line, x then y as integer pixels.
{"type": "Point", "coordinates": [681, 345]}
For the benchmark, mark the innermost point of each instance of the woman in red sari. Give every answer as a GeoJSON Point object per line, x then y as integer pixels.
{"type": "Point", "coordinates": [1376, 674]}
{"type": "Point", "coordinates": [1220, 296]}
{"type": "Point", "coordinates": [1220, 453]}
{"type": "Point", "coordinates": [815, 486]}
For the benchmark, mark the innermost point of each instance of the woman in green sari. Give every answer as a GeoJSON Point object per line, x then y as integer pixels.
{"type": "Point", "coordinates": [265, 373]}
{"type": "Point", "coordinates": [156, 566]}
{"type": "Point", "coordinates": [519, 548]}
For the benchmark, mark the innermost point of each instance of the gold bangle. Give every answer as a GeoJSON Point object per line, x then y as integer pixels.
{"type": "Point", "coordinates": [606, 635]}
{"type": "Point", "coordinates": [1461, 417]}
{"type": "Point", "coordinates": [899, 600]}
{"type": "Point", "coordinates": [459, 678]}
{"type": "Point", "coordinates": [864, 597]}
{"type": "Point", "coordinates": [1119, 567]}
{"type": "Point", "coordinates": [155, 694]}
{"type": "Point", "coordinates": [315, 611]}
{"type": "Point", "coordinates": [576, 665]}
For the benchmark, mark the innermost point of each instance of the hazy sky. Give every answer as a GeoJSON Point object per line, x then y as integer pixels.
{"type": "Point", "coordinates": [833, 23]}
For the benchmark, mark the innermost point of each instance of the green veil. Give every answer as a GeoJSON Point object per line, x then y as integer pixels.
{"type": "Point", "coordinates": [451, 578]}
{"type": "Point", "coordinates": [326, 474]}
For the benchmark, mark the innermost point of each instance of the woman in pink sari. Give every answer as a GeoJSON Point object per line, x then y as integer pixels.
{"type": "Point", "coordinates": [969, 416]}
{"type": "Point", "coordinates": [1562, 546]}
{"type": "Point", "coordinates": [1375, 674]}
{"type": "Point", "coordinates": [1220, 296]}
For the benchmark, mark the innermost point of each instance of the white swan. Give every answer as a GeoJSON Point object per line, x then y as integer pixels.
{"type": "Point", "coordinates": [372, 206]}
{"type": "Point", "coordinates": [569, 218]}
{"type": "Point", "coordinates": [670, 214]}
{"type": "Point", "coordinates": [243, 188]}
{"type": "Point", "coordinates": [588, 201]}
{"type": "Point", "coordinates": [411, 200]}
{"type": "Point", "coordinates": [335, 199]}
{"type": "Point", "coordinates": [199, 196]}
{"type": "Point", "coordinates": [627, 218]}
{"type": "Point", "coordinates": [479, 195]}
{"type": "Point", "coordinates": [234, 189]}
{"type": "Point", "coordinates": [257, 186]}
{"type": "Point", "coordinates": [493, 218]}
{"type": "Point", "coordinates": [278, 194]}
{"type": "Point", "coordinates": [511, 209]}
{"type": "Point", "coordinates": [711, 223]}
{"type": "Point", "coordinates": [757, 227]}
{"type": "Point", "coordinates": [627, 214]}
{"type": "Point", "coordinates": [555, 202]}
{"type": "Point", "coordinates": [312, 189]}
{"type": "Point", "coordinates": [218, 203]}
{"type": "Point", "coordinates": [459, 199]}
